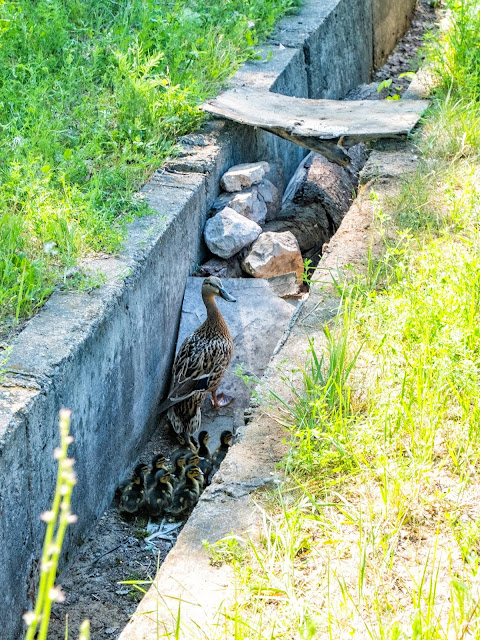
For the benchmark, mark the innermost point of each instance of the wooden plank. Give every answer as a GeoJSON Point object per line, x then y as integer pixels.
{"type": "Point", "coordinates": [319, 125]}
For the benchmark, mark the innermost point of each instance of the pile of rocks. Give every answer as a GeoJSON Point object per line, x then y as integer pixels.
{"type": "Point", "coordinates": [234, 233]}
{"type": "Point", "coordinates": [252, 234]}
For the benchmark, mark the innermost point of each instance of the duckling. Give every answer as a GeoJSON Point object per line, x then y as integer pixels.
{"type": "Point", "coordinates": [187, 443]}
{"type": "Point", "coordinates": [218, 457]}
{"type": "Point", "coordinates": [158, 462]}
{"type": "Point", "coordinates": [205, 463]}
{"type": "Point", "coordinates": [133, 493]}
{"type": "Point", "coordinates": [178, 467]}
{"type": "Point", "coordinates": [200, 364]}
{"type": "Point", "coordinates": [159, 495]}
{"type": "Point", "coordinates": [186, 495]}
{"type": "Point", "coordinates": [192, 458]}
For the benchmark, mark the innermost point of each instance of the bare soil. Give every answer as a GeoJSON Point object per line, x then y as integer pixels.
{"type": "Point", "coordinates": [116, 551]}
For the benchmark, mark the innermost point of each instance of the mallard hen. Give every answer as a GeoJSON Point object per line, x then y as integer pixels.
{"type": "Point", "coordinates": [200, 364]}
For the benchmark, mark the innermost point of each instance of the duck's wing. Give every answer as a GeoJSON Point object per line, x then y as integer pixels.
{"type": "Point", "coordinates": [190, 373]}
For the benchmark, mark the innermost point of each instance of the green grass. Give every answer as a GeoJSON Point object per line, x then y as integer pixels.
{"type": "Point", "coordinates": [93, 94]}
{"type": "Point", "coordinates": [375, 532]}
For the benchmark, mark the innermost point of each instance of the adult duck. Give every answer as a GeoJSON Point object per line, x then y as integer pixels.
{"type": "Point", "coordinates": [200, 364]}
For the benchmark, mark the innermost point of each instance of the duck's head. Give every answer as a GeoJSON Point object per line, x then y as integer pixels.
{"type": "Point", "coordinates": [139, 473]}
{"type": "Point", "coordinates": [158, 461]}
{"type": "Point", "coordinates": [212, 286]}
{"type": "Point", "coordinates": [203, 437]}
{"type": "Point", "coordinates": [226, 438]}
{"type": "Point", "coordinates": [192, 458]}
{"type": "Point", "coordinates": [162, 476]}
{"type": "Point", "coordinates": [178, 459]}
{"type": "Point", "coordinates": [192, 471]}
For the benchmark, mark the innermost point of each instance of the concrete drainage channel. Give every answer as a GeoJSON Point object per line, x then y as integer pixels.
{"type": "Point", "coordinates": [107, 355]}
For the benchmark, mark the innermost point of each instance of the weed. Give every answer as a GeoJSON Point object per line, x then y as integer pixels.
{"type": "Point", "coordinates": [57, 519]}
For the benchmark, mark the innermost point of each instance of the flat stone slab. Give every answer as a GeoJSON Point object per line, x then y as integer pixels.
{"type": "Point", "coordinates": [319, 124]}
{"type": "Point", "coordinates": [257, 322]}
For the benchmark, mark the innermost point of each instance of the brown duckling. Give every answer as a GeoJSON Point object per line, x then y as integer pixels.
{"type": "Point", "coordinates": [200, 364]}
{"type": "Point", "coordinates": [192, 458]}
{"type": "Point", "coordinates": [158, 462]}
{"type": "Point", "coordinates": [133, 494]}
{"type": "Point", "coordinates": [186, 441]}
{"type": "Point", "coordinates": [218, 457]}
{"type": "Point", "coordinates": [186, 495]}
{"type": "Point", "coordinates": [178, 467]}
{"type": "Point", "coordinates": [159, 495]}
{"type": "Point", "coordinates": [205, 463]}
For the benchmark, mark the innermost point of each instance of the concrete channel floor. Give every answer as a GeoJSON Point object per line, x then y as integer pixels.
{"type": "Point", "coordinates": [188, 588]}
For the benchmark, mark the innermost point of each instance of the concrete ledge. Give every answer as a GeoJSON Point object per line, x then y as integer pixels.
{"type": "Point", "coordinates": [107, 354]}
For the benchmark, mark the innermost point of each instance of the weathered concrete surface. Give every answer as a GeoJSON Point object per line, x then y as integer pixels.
{"type": "Point", "coordinates": [336, 37]}
{"type": "Point", "coordinates": [391, 20]}
{"type": "Point", "coordinates": [106, 355]}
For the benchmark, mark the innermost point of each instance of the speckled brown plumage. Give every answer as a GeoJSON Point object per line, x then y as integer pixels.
{"type": "Point", "coordinates": [200, 363]}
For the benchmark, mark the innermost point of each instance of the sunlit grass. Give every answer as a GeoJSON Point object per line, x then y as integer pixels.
{"type": "Point", "coordinates": [93, 94]}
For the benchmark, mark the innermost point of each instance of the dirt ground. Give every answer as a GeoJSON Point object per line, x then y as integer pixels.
{"type": "Point", "coordinates": [116, 550]}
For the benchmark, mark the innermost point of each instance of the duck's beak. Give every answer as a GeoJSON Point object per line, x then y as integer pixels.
{"type": "Point", "coordinates": [226, 296]}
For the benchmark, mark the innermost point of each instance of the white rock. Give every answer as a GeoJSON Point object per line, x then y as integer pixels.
{"type": "Point", "coordinates": [269, 193]}
{"type": "Point", "coordinates": [244, 175]}
{"type": "Point", "coordinates": [274, 254]}
{"type": "Point", "coordinates": [247, 203]}
{"type": "Point", "coordinates": [228, 232]}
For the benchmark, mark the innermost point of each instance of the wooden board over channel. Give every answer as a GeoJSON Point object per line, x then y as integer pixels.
{"type": "Point", "coordinates": [319, 125]}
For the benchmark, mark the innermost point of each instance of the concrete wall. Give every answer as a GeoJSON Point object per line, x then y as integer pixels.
{"type": "Point", "coordinates": [391, 20]}
{"type": "Point", "coordinates": [107, 354]}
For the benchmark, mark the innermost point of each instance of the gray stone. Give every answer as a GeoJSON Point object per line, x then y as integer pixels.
{"type": "Point", "coordinates": [247, 203]}
{"type": "Point", "coordinates": [243, 175]}
{"type": "Point", "coordinates": [228, 232]}
{"type": "Point", "coordinates": [272, 198]}
{"type": "Point", "coordinates": [221, 268]}
{"type": "Point", "coordinates": [274, 254]}
{"type": "Point", "coordinates": [284, 285]}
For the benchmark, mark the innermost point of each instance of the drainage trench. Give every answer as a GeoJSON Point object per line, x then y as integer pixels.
{"type": "Point", "coordinates": [109, 354]}
{"type": "Point", "coordinates": [314, 203]}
